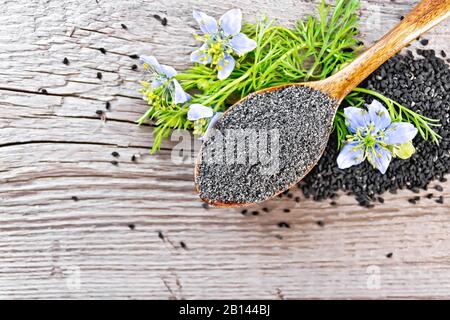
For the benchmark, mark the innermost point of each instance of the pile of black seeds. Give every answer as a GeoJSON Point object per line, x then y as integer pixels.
{"type": "Point", "coordinates": [296, 112]}
{"type": "Point", "coordinates": [423, 85]}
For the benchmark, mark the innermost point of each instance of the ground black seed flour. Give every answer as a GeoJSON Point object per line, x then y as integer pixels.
{"type": "Point", "coordinates": [264, 145]}
{"type": "Point", "coordinates": [423, 85]}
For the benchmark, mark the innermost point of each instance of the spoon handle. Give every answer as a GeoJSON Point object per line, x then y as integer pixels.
{"type": "Point", "coordinates": [423, 17]}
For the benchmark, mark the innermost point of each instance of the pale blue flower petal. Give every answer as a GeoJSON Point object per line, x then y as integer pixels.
{"type": "Point", "coordinates": [227, 66]}
{"type": "Point", "coordinates": [350, 155]}
{"type": "Point", "coordinates": [156, 83]}
{"type": "Point", "coordinates": [211, 124]}
{"type": "Point", "coordinates": [399, 132]}
{"type": "Point", "coordinates": [379, 115]}
{"type": "Point", "coordinates": [357, 118]}
{"type": "Point", "coordinates": [380, 158]}
{"type": "Point", "coordinates": [231, 21]}
{"type": "Point", "coordinates": [152, 62]}
{"type": "Point", "coordinates": [198, 111]}
{"type": "Point", "coordinates": [168, 71]}
{"type": "Point", "coordinates": [200, 56]}
{"type": "Point", "coordinates": [179, 95]}
{"type": "Point", "coordinates": [207, 24]}
{"type": "Point", "coordinates": [242, 44]}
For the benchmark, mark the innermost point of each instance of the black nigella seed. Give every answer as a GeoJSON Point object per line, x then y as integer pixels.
{"type": "Point", "coordinates": [255, 213]}
{"type": "Point", "coordinates": [66, 61]}
{"type": "Point", "coordinates": [412, 200]}
{"type": "Point", "coordinates": [429, 196]}
{"type": "Point", "coordinates": [283, 225]}
{"type": "Point", "coordinates": [161, 236]}
{"type": "Point", "coordinates": [443, 179]}
{"type": "Point", "coordinates": [380, 199]}
{"type": "Point", "coordinates": [290, 195]}
{"type": "Point", "coordinates": [134, 56]}
{"type": "Point", "coordinates": [278, 236]}
{"type": "Point", "coordinates": [415, 190]}
{"type": "Point", "coordinates": [44, 91]}
{"type": "Point", "coordinates": [115, 163]}
{"type": "Point", "coordinates": [286, 210]}
{"type": "Point", "coordinates": [133, 158]}
{"type": "Point", "coordinates": [439, 188]}
{"type": "Point", "coordinates": [107, 105]}
{"type": "Point", "coordinates": [99, 75]}
{"type": "Point", "coordinates": [134, 67]}
{"type": "Point", "coordinates": [320, 223]}
{"type": "Point", "coordinates": [74, 198]}
{"type": "Point", "coordinates": [123, 26]}
{"type": "Point", "coordinates": [115, 154]}
{"type": "Point", "coordinates": [389, 255]}
{"type": "Point", "coordinates": [244, 212]}
{"type": "Point", "coordinates": [297, 199]}
{"type": "Point", "coordinates": [424, 42]}
{"type": "Point", "coordinates": [440, 200]}
{"type": "Point", "coordinates": [102, 50]}
{"type": "Point", "coordinates": [265, 209]}
{"type": "Point", "coordinates": [183, 245]}
{"type": "Point", "coordinates": [157, 17]}
{"type": "Point", "coordinates": [131, 226]}
{"type": "Point", "coordinates": [164, 21]}
{"type": "Point", "coordinates": [402, 17]}
{"type": "Point", "coordinates": [333, 203]}
{"type": "Point", "coordinates": [443, 54]}
{"type": "Point", "coordinates": [99, 112]}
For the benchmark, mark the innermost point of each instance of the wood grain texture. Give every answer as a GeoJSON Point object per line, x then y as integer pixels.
{"type": "Point", "coordinates": [54, 147]}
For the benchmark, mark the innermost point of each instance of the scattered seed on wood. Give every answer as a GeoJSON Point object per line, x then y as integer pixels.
{"type": "Point", "coordinates": [290, 195]}
{"type": "Point", "coordinates": [412, 200]}
{"type": "Point", "coordinates": [244, 212]}
{"type": "Point", "coordinates": [439, 188]}
{"type": "Point", "coordinates": [424, 42]}
{"type": "Point", "coordinates": [157, 17]}
{"type": "Point", "coordinates": [415, 190]}
{"type": "Point", "coordinates": [443, 54]}
{"type": "Point", "coordinates": [161, 236]}
{"type": "Point", "coordinates": [286, 210]}
{"type": "Point", "coordinates": [99, 75]}
{"type": "Point", "coordinates": [134, 56]}
{"type": "Point", "coordinates": [102, 50]}
{"type": "Point", "coordinates": [429, 196]}
{"type": "Point", "coordinates": [265, 209]}
{"type": "Point", "coordinates": [443, 179]}
{"type": "Point", "coordinates": [66, 61]}
{"type": "Point", "coordinates": [134, 67]}
{"type": "Point", "coordinates": [283, 225]}
{"type": "Point", "coordinates": [440, 200]}
{"type": "Point", "coordinates": [133, 158]}
{"type": "Point", "coordinates": [99, 112]}
{"type": "Point", "coordinates": [115, 154]}
{"type": "Point", "coordinates": [183, 245]}
{"type": "Point", "coordinates": [402, 17]}
{"type": "Point", "coordinates": [280, 237]}
{"type": "Point", "coordinates": [333, 203]}
{"type": "Point", "coordinates": [380, 199]}
{"type": "Point", "coordinates": [297, 199]}
{"type": "Point", "coordinates": [107, 105]}
{"type": "Point", "coordinates": [131, 226]}
{"type": "Point", "coordinates": [255, 213]}
{"type": "Point", "coordinates": [123, 26]}
{"type": "Point", "coordinates": [44, 91]}
{"type": "Point", "coordinates": [320, 223]}
{"type": "Point", "coordinates": [115, 163]}
{"type": "Point", "coordinates": [164, 21]}
{"type": "Point", "coordinates": [74, 198]}
{"type": "Point", "coordinates": [389, 255]}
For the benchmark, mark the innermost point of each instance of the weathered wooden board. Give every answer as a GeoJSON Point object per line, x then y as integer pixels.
{"type": "Point", "coordinates": [54, 147]}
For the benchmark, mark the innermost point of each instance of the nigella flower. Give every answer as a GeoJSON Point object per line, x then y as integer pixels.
{"type": "Point", "coordinates": [163, 76]}
{"type": "Point", "coordinates": [198, 113]}
{"type": "Point", "coordinates": [375, 138]}
{"type": "Point", "coordinates": [221, 40]}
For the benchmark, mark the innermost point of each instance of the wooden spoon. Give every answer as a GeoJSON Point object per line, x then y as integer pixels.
{"type": "Point", "coordinates": [423, 17]}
